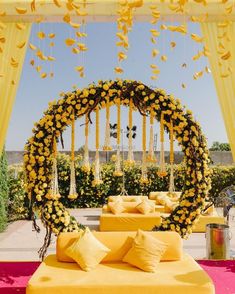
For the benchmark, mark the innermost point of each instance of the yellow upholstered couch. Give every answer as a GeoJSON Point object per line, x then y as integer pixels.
{"type": "Point", "coordinates": [177, 272]}
{"type": "Point", "coordinates": [165, 203]}
{"type": "Point", "coordinates": [130, 219]}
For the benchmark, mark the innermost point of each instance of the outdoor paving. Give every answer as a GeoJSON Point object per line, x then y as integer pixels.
{"type": "Point", "coordinates": [19, 242]}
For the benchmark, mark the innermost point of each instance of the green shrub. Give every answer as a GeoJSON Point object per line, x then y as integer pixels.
{"type": "Point", "coordinates": [90, 196]}
{"type": "Point", "coordinates": [3, 191]}
{"type": "Point", "coordinates": [18, 202]}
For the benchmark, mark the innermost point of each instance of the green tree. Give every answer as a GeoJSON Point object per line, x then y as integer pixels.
{"type": "Point", "coordinates": [217, 146]}
{"type": "Point", "coordinates": [3, 190]}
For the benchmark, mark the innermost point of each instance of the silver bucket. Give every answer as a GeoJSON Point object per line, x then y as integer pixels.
{"type": "Point", "coordinates": [217, 241]}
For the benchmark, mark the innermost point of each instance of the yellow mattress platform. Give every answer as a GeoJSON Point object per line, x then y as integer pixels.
{"type": "Point", "coordinates": [129, 221]}
{"type": "Point", "coordinates": [177, 272]}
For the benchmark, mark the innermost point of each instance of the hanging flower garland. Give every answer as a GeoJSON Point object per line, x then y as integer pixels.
{"type": "Point", "coordinates": [72, 190]}
{"type": "Point", "coordinates": [162, 171]}
{"type": "Point", "coordinates": [38, 157]}
{"type": "Point", "coordinates": [144, 176]}
{"type": "Point", "coordinates": [130, 156]}
{"type": "Point", "coordinates": [118, 172]}
{"type": "Point", "coordinates": [151, 156]}
{"type": "Point", "coordinates": [97, 179]}
{"type": "Point", "coordinates": [171, 184]}
{"type": "Point", "coordinates": [86, 163]}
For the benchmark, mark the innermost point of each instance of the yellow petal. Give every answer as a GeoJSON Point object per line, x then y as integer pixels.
{"type": "Point", "coordinates": [20, 26]}
{"type": "Point", "coordinates": [32, 62]}
{"type": "Point", "coordinates": [13, 82]}
{"type": "Point", "coordinates": [43, 75]}
{"type": "Point", "coordinates": [164, 58]}
{"type": "Point", "coordinates": [121, 56]}
{"type": "Point", "coordinates": [155, 52]}
{"type": "Point", "coordinates": [51, 74]}
{"type": "Point", "coordinates": [51, 44]}
{"type": "Point", "coordinates": [197, 56]}
{"type": "Point", "coordinates": [196, 38]}
{"type": "Point", "coordinates": [75, 50]}
{"type": "Point", "coordinates": [81, 74]}
{"type": "Point", "coordinates": [41, 35]}
{"type": "Point", "coordinates": [33, 5]}
{"type": "Point", "coordinates": [39, 19]}
{"type": "Point", "coordinates": [226, 56]}
{"type": "Point", "coordinates": [82, 47]}
{"type": "Point", "coordinates": [153, 78]}
{"type": "Point", "coordinates": [75, 25]}
{"type": "Point", "coordinates": [153, 41]}
{"type": "Point", "coordinates": [156, 71]}
{"type": "Point", "coordinates": [153, 66]}
{"type": "Point", "coordinates": [179, 29]}
{"type": "Point", "coordinates": [225, 75]}
{"type": "Point", "coordinates": [57, 3]}
{"type": "Point", "coordinates": [38, 68]}
{"type": "Point", "coordinates": [229, 9]}
{"type": "Point", "coordinates": [79, 68]}
{"type": "Point", "coordinates": [118, 70]}
{"type": "Point", "coordinates": [21, 45]}
{"type": "Point", "coordinates": [51, 36]}
{"type": "Point", "coordinates": [163, 27]}
{"type": "Point", "coordinates": [20, 10]}
{"type": "Point", "coordinates": [32, 47]}
{"type": "Point", "coordinates": [183, 85]}
{"type": "Point", "coordinates": [50, 58]}
{"type": "Point", "coordinates": [80, 34]}
{"type": "Point", "coordinates": [154, 33]}
{"type": "Point", "coordinates": [2, 39]}
{"type": "Point", "coordinates": [69, 42]}
{"type": "Point", "coordinates": [207, 69]}
{"type": "Point", "coordinates": [67, 18]}
{"type": "Point", "coordinates": [173, 44]}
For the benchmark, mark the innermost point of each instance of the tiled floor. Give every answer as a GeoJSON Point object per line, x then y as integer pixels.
{"type": "Point", "coordinates": [19, 242]}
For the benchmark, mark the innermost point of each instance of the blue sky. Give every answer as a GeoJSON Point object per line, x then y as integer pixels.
{"type": "Point", "coordinates": [34, 93]}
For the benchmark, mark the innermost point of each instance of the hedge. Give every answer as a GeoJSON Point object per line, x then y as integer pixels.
{"type": "Point", "coordinates": [3, 191]}
{"type": "Point", "coordinates": [90, 196]}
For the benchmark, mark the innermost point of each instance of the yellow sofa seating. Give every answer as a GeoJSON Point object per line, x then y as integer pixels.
{"type": "Point", "coordinates": [177, 272]}
{"type": "Point", "coordinates": [130, 207]}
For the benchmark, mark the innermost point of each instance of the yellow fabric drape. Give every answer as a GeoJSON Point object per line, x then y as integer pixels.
{"type": "Point", "coordinates": [225, 86]}
{"type": "Point", "coordinates": [11, 63]}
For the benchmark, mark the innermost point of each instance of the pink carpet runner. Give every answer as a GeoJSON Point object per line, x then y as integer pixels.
{"type": "Point", "coordinates": [14, 276]}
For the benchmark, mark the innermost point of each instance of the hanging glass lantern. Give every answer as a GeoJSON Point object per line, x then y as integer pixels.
{"type": "Point", "coordinates": [130, 157]}
{"type": "Point", "coordinates": [151, 156]}
{"type": "Point", "coordinates": [171, 184]}
{"type": "Point", "coordinates": [107, 145]}
{"type": "Point", "coordinates": [144, 175]}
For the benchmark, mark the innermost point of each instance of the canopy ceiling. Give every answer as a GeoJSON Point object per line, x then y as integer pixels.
{"type": "Point", "coordinates": [106, 10]}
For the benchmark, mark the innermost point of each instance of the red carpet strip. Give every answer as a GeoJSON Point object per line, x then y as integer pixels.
{"type": "Point", "coordinates": [14, 276]}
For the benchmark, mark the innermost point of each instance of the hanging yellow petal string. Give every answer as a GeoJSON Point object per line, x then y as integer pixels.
{"type": "Point", "coordinates": [107, 146]}
{"type": "Point", "coordinates": [162, 172]}
{"type": "Point", "coordinates": [97, 179]}
{"type": "Point", "coordinates": [130, 158]}
{"type": "Point", "coordinates": [86, 163]}
{"type": "Point", "coordinates": [72, 191]}
{"type": "Point", "coordinates": [171, 184]}
{"type": "Point", "coordinates": [118, 172]}
{"type": "Point", "coordinates": [144, 177]}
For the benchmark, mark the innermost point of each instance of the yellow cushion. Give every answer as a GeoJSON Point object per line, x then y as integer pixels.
{"type": "Point", "coordinates": [170, 206]}
{"type": "Point", "coordinates": [87, 251]}
{"type": "Point", "coordinates": [146, 252]}
{"type": "Point", "coordinates": [115, 198]}
{"type": "Point", "coordinates": [145, 207]}
{"type": "Point", "coordinates": [128, 198]}
{"type": "Point", "coordinates": [116, 207]}
{"type": "Point", "coordinates": [121, 242]}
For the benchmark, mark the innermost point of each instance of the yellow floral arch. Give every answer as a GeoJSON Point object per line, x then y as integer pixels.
{"type": "Point", "coordinates": [59, 115]}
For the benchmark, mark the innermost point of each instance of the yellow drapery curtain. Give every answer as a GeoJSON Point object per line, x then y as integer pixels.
{"type": "Point", "coordinates": [225, 86]}
{"type": "Point", "coordinates": [13, 46]}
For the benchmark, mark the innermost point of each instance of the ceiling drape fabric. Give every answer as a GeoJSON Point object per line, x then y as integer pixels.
{"type": "Point", "coordinates": [13, 47]}
{"type": "Point", "coordinates": [225, 86]}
